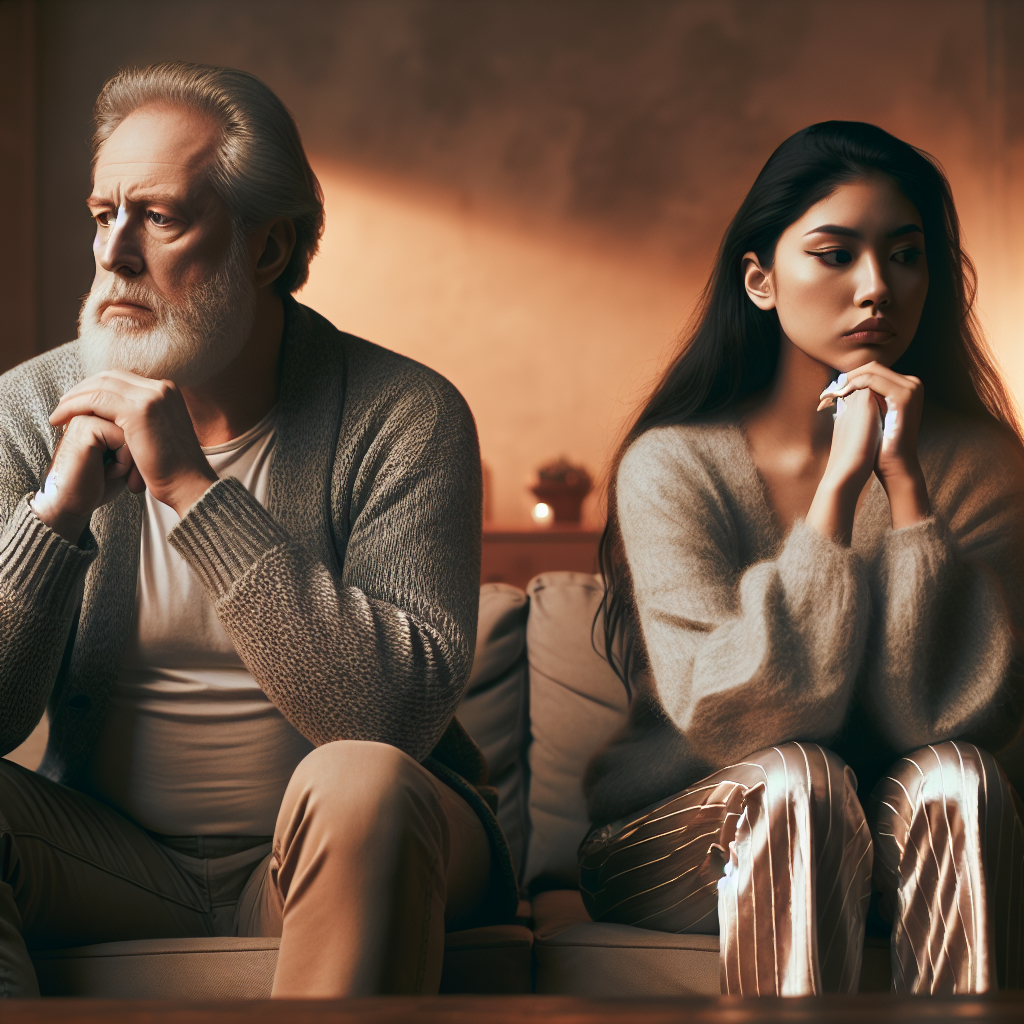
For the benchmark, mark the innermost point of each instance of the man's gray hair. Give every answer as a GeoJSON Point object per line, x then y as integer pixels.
{"type": "Point", "coordinates": [260, 171]}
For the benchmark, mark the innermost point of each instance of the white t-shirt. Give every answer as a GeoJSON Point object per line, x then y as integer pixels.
{"type": "Point", "coordinates": [190, 744]}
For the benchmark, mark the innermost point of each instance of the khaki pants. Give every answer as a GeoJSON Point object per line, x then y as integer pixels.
{"type": "Point", "coordinates": [371, 859]}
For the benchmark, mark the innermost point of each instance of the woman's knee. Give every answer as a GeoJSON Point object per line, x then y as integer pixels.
{"type": "Point", "coordinates": [953, 772]}
{"type": "Point", "coordinates": [802, 771]}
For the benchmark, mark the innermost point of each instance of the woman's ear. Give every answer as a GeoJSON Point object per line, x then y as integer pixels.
{"type": "Point", "coordinates": [271, 246]}
{"type": "Point", "coordinates": [758, 282]}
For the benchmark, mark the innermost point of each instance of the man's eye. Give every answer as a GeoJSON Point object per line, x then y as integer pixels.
{"type": "Point", "coordinates": [159, 219]}
{"type": "Point", "coordinates": [834, 257]}
{"type": "Point", "coordinates": [907, 256]}
{"type": "Point", "coordinates": [103, 218]}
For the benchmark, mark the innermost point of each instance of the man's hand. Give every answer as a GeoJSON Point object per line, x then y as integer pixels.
{"type": "Point", "coordinates": [157, 429]}
{"type": "Point", "coordinates": [77, 482]}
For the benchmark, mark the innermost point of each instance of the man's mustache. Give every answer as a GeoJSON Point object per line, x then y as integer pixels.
{"type": "Point", "coordinates": [127, 291]}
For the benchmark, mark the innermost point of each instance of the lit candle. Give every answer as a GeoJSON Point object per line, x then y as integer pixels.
{"type": "Point", "coordinates": [541, 513]}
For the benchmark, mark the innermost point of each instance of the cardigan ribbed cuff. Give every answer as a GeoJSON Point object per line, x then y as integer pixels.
{"type": "Point", "coordinates": [37, 563]}
{"type": "Point", "coordinates": [224, 534]}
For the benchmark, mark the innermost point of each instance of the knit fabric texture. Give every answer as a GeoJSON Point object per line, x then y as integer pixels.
{"type": "Point", "coordinates": [755, 638]}
{"type": "Point", "coordinates": [351, 598]}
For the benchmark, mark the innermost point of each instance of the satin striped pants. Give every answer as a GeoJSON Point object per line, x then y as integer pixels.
{"type": "Point", "coordinates": [776, 854]}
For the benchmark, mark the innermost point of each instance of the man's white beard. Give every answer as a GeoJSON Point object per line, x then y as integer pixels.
{"type": "Point", "coordinates": [191, 342]}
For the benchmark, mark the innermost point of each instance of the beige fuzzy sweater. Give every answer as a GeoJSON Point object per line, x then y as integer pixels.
{"type": "Point", "coordinates": [753, 638]}
{"type": "Point", "coordinates": [351, 598]}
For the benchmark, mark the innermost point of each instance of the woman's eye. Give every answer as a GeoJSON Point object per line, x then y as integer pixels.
{"type": "Point", "coordinates": [907, 256]}
{"type": "Point", "coordinates": [835, 257]}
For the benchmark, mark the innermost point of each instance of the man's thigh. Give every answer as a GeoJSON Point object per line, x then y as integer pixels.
{"type": "Point", "coordinates": [323, 808]}
{"type": "Point", "coordinates": [81, 873]}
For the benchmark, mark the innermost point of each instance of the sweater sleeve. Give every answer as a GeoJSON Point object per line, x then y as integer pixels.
{"type": "Point", "coordinates": [743, 656]}
{"type": "Point", "coordinates": [382, 649]}
{"type": "Point", "coordinates": [945, 658]}
{"type": "Point", "coordinates": [41, 579]}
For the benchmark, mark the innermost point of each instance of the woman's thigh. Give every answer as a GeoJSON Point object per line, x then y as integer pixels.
{"type": "Point", "coordinates": [81, 873]}
{"type": "Point", "coordinates": [661, 868]}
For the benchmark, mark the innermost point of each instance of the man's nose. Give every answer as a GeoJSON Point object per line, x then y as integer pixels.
{"type": "Point", "coordinates": [872, 286]}
{"type": "Point", "coordinates": [119, 252]}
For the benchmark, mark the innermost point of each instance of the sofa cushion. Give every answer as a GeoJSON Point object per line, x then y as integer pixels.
{"type": "Point", "coordinates": [201, 968]}
{"type": "Point", "coordinates": [576, 703]}
{"type": "Point", "coordinates": [576, 956]}
{"type": "Point", "coordinates": [494, 708]}
{"type": "Point", "coordinates": [494, 959]}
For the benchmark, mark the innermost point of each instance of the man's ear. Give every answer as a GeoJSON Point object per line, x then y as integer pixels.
{"type": "Point", "coordinates": [271, 246]}
{"type": "Point", "coordinates": [758, 282]}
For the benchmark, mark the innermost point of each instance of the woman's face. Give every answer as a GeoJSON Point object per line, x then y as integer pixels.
{"type": "Point", "coordinates": [850, 276]}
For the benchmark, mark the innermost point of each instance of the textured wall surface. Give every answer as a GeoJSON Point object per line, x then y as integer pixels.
{"type": "Point", "coordinates": [527, 194]}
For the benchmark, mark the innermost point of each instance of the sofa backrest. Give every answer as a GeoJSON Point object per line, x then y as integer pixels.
{"type": "Point", "coordinates": [540, 701]}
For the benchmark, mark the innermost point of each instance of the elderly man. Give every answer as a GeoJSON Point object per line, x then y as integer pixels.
{"type": "Point", "coordinates": [239, 564]}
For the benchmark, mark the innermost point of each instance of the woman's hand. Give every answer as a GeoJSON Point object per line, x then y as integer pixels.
{"type": "Point", "coordinates": [900, 401]}
{"type": "Point", "coordinates": [856, 439]}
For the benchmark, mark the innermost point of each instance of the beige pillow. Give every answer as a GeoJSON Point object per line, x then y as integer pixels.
{"type": "Point", "coordinates": [576, 703]}
{"type": "Point", "coordinates": [494, 706]}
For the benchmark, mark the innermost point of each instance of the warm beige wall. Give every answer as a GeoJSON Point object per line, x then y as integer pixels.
{"type": "Point", "coordinates": [550, 342]}
{"type": "Point", "coordinates": [527, 194]}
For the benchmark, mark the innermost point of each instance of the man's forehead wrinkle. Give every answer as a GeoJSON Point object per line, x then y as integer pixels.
{"type": "Point", "coordinates": [116, 183]}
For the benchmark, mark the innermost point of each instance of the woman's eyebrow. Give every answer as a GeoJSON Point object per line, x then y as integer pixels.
{"type": "Point", "coordinates": [907, 229]}
{"type": "Point", "coordinates": [835, 229]}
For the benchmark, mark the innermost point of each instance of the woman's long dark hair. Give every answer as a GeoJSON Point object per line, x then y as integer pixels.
{"type": "Point", "coordinates": [731, 347]}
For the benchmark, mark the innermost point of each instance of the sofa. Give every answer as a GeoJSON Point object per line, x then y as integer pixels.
{"type": "Point", "coordinates": [539, 702]}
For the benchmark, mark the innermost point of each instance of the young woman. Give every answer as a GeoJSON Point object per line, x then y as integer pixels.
{"type": "Point", "coordinates": [815, 571]}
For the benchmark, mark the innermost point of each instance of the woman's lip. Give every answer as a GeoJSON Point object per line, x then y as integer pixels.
{"type": "Point", "coordinates": [871, 337]}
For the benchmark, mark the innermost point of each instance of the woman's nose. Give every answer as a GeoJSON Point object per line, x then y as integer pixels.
{"type": "Point", "coordinates": [119, 252]}
{"type": "Point", "coordinates": [872, 286]}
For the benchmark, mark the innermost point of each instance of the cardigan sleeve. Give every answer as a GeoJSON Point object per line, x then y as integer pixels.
{"type": "Point", "coordinates": [41, 574]}
{"type": "Point", "coordinates": [944, 655]}
{"type": "Point", "coordinates": [742, 657]}
{"type": "Point", "coordinates": [382, 649]}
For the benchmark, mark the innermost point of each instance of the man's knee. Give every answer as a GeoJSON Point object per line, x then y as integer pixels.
{"type": "Point", "coordinates": [359, 785]}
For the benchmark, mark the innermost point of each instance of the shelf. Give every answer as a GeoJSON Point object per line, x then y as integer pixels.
{"type": "Point", "coordinates": [514, 554]}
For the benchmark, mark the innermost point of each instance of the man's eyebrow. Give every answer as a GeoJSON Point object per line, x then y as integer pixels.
{"type": "Point", "coordinates": [907, 229]}
{"type": "Point", "coordinates": [142, 196]}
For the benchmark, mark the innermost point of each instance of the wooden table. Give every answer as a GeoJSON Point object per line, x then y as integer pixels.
{"type": "Point", "coordinates": [1002, 1008]}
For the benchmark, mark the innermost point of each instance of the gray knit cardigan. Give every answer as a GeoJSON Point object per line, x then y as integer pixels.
{"type": "Point", "coordinates": [351, 598]}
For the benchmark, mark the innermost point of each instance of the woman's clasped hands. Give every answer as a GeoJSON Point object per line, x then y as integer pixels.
{"type": "Point", "coordinates": [877, 421]}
